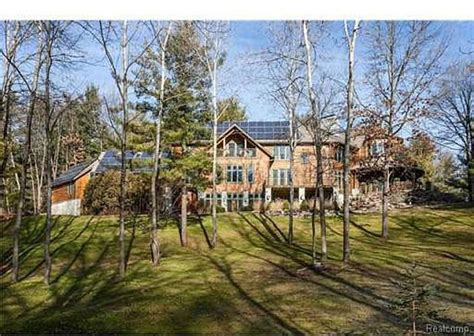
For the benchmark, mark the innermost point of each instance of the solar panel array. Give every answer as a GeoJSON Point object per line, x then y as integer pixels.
{"type": "Point", "coordinates": [259, 130]}
{"type": "Point", "coordinates": [111, 160]}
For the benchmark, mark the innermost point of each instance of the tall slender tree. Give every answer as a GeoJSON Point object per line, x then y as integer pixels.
{"type": "Point", "coordinates": [284, 61]}
{"type": "Point", "coordinates": [316, 121]}
{"type": "Point", "coordinates": [351, 35]}
{"type": "Point", "coordinates": [26, 147]}
{"type": "Point", "coordinates": [212, 55]}
{"type": "Point", "coordinates": [108, 35]}
{"type": "Point", "coordinates": [155, 243]}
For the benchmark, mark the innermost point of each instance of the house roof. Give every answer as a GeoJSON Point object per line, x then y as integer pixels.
{"type": "Point", "coordinates": [258, 130]}
{"type": "Point", "coordinates": [73, 173]}
{"type": "Point", "coordinates": [136, 161]}
{"type": "Point", "coordinates": [240, 130]}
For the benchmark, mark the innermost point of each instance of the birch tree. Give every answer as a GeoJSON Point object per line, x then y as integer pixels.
{"type": "Point", "coordinates": [212, 55]}
{"type": "Point", "coordinates": [316, 121]}
{"type": "Point", "coordinates": [351, 35]}
{"type": "Point", "coordinates": [155, 243]}
{"type": "Point", "coordinates": [108, 35]}
{"type": "Point", "coordinates": [284, 63]}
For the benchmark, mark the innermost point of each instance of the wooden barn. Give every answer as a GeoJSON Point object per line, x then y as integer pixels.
{"type": "Point", "coordinates": [68, 189]}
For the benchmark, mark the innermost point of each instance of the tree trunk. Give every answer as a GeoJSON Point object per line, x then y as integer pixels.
{"type": "Point", "coordinates": [48, 115]}
{"type": "Point", "coordinates": [123, 148]}
{"type": "Point", "coordinates": [292, 199]}
{"type": "Point", "coordinates": [318, 141]}
{"type": "Point", "coordinates": [313, 232]}
{"type": "Point", "coordinates": [214, 156]}
{"type": "Point", "coordinates": [347, 140]}
{"type": "Point", "coordinates": [184, 216]}
{"type": "Point", "coordinates": [49, 222]}
{"type": "Point", "coordinates": [385, 201]}
{"type": "Point", "coordinates": [24, 171]}
{"type": "Point", "coordinates": [154, 233]}
{"type": "Point", "coordinates": [322, 210]}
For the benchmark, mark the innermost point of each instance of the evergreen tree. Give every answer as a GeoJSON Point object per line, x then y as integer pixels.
{"type": "Point", "coordinates": [186, 113]}
{"type": "Point", "coordinates": [230, 109]}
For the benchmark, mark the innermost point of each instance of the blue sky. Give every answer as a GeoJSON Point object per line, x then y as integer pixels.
{"type": "Point", "coordinates": [247, 37]}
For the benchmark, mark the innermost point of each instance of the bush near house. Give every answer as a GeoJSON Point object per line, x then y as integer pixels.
{"type": "Point", "coordinates": [102, 193]}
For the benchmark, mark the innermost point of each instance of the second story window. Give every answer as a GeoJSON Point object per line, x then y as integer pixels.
{"type": "Point", "coordinates": [339, 153]}
{"type": "Point", "coordinates": [281, 177]}
{"type": "Point", "coordinates": [250, 177]}
{"type": "Point", "coordinates": [281, 152]}
{"type": "Point", "coordinates": [376, 148]}
{"type": "Point", "coordinates": [234, 149]}
{"type": "Point", "coordinates": [234, 174]}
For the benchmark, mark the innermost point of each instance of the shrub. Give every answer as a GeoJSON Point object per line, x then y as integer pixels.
{"type": "Point", "coordinates": [304, 206]}
{"type": "Point", "coordinates": [220, 209]}
{"type": "Point", "coordinates": [246, 208]}
{"type": "Point", "coordinates": [286, 205]}
{"type": "Point", "coordinates": [101, 195]}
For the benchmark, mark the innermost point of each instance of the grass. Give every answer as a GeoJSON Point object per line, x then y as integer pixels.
{"type": "Point", "coordinates": [253, 282]}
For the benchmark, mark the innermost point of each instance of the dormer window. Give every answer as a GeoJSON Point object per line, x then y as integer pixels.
{"type": "Point", "coordinates": [376, 148]}
{"type": "Point", "coordinates": [234, 149]}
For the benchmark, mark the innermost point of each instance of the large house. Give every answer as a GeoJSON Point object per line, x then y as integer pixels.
{"type": "Point", "coordinates": [254, 158]}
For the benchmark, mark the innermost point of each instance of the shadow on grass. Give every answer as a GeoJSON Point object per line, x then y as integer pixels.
{"type": "Point", "coordinates": [54, 252]}
{"type": "Point", "coordinates": [281, 325]}
{"type": "Point", "coordinates": [204, 231]}
{"type": "Point", "coordinates": [31, 237]}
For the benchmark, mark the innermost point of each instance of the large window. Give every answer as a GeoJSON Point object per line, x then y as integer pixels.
{"type": "Point", "coordinates": [250, 177]}
{"type": "Point", "coordinates": [234, 174]}
{"type": "Point", "coordinates": [281, 152]}
{"type": "Point", "coordinates": [281, 177]}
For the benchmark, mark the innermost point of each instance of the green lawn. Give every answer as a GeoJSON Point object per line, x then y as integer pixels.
{"type": "Point", "coordinates": [253, 282]}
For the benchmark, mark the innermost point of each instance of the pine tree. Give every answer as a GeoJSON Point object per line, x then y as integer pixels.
{"type": "Point", "coordinates": [415, 301]}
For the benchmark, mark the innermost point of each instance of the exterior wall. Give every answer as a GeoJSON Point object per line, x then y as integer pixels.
{"type": "Point", "coordinates": [67, 197]}
{"type": "Point", "coordinates": [71, 207]}
{"type": "Point", "coordinates": [61, 193]}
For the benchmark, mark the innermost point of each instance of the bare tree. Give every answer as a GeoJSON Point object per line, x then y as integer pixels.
{"type": "Point", "coordinates": [453, 119]}
{"type": "Point", "coordinates": [404, 62]}
{"type": "Point", "coordinates": [26, 147]}
{"type": "Point", "coordinates": [212, 54]}
{"type": "Point", "coordinates": [57, 42]}
{"type": "Point", "coordinates": [107, 34]}
{"type": "Point", "coordinates": [284, 77]}
{"type": "Point", "coordinates": [316, 120]}
{"type": "Point", "coordinates": [154, 239]}
{"type": "Point", "coordinates": [351, 35]}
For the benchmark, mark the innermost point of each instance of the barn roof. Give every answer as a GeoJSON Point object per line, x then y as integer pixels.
{"type": "Point", "coordinates": [73, 173]}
